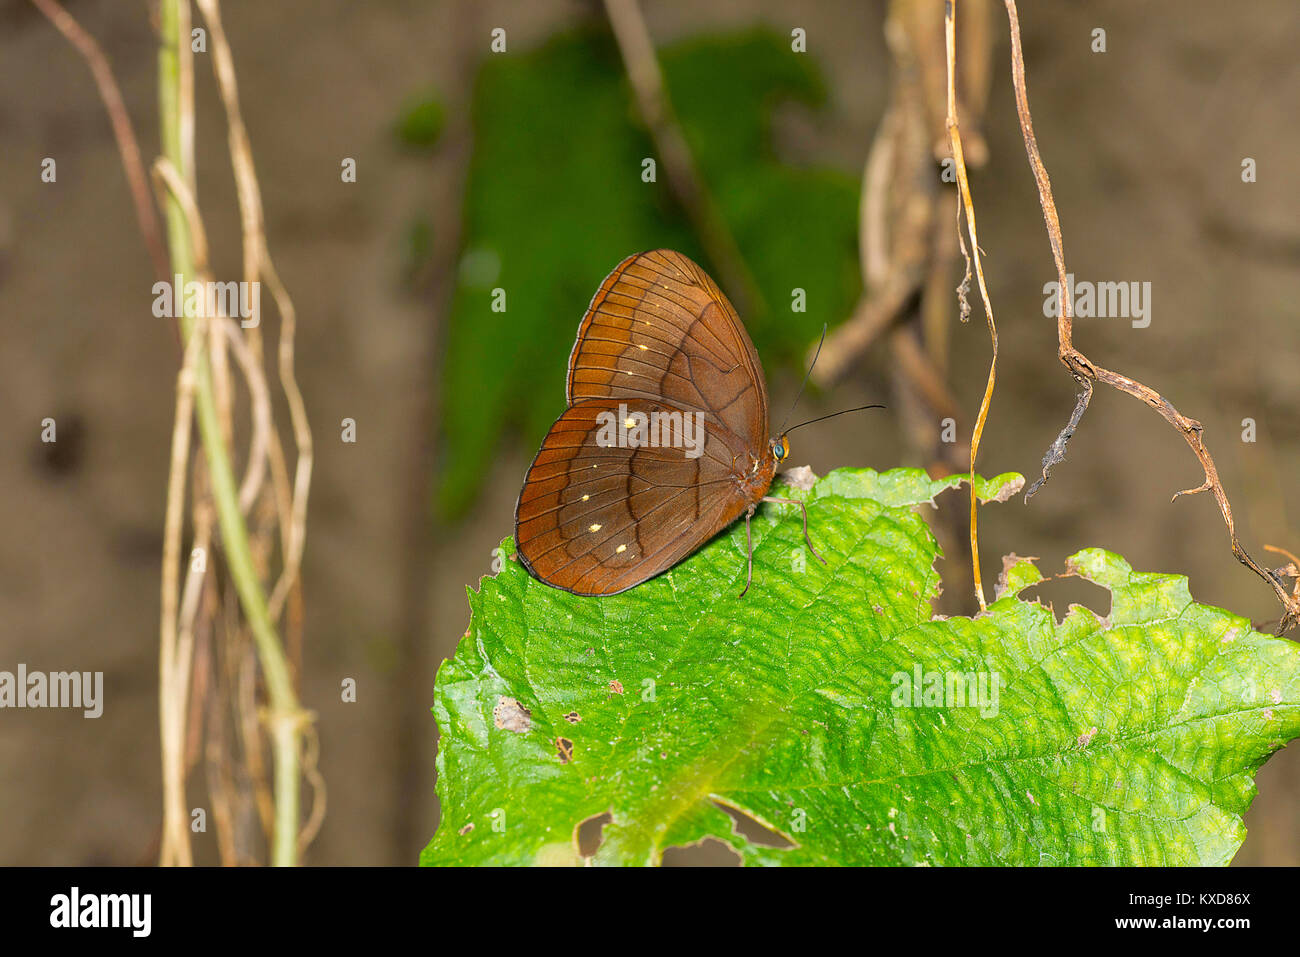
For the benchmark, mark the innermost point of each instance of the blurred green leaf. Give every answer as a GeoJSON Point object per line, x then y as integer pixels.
{"type": "Point", "coordinates": [554, 200]}
{"type": "Point", "coordinates": [1130, 739]}
{"type": "Point", "coordinates": [421, 122]}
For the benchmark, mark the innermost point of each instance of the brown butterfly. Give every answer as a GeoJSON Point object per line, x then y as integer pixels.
{"type": "Point", "coordinates": [664, 443]}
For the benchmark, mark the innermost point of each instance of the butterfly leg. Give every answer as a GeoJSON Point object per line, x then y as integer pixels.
{"type": "Point", "coordinates": [800, 503]}
{"type": "Point", "coordinates": [749, 551]}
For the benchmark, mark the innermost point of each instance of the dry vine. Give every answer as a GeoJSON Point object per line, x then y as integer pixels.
{"type": "Point", "coordinates": [967, 206]}
{"type": "Point", "coordinates": [210, 655]}
{"type": "Point", "coordinates": [1087, 372]}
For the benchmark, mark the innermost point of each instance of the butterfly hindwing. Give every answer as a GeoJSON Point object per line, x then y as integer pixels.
{"type": "Point", "coordinates": [596, 519]}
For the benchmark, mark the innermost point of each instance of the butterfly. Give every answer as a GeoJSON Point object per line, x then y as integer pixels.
{"type": "Point", "coordinates": [664, 443]}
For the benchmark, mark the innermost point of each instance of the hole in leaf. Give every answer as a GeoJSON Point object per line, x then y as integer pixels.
{"type": "Point", "coordinates": [511, 715]}
{"type": "Point", "coordinates": [1059, 594]}
{"type": "Point", "coordinates": [709, 852]}
{"type": "Point", "coordinates": [591, 833]}
{"type": "Point", "coordinates": [751, 830]}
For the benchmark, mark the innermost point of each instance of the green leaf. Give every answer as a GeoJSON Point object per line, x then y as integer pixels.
{"type": "Point", "coordinates": [554, 200]}
{"type": "Point", "coordinates": [421, 122]}
{"type": "Point", "coordinates": [1130, 739]}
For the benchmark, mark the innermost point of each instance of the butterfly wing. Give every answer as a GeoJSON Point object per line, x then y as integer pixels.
{"type": "Point", "coordinates": [659, 328]}
{"type": "Point", "coordinates": [596, 519]}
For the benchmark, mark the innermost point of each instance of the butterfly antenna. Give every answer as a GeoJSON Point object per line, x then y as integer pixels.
{"type": "Point", "coordinates": [806, 377]}
{"type": "Point", "coordinates": [831, 416]}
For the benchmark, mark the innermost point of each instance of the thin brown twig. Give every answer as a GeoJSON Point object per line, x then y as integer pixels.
{"type": "Point", "coordinates": [877, 174]}
{"type": "Point", "coordinates": [173, 670]}
{"type": "Point", "coordinates": [918, 368]}
{"type": "Point", "coordinates": [196, 581]}
{"type": "Point", "coordinates": [968, 206]}
{"type": "Point", "coordinates": [247, 192]}
{"type": "Point", "coordinates": [197, 632]}
{"type": "Point", "coordinates": [637, 49]}
{"type": "Point", "coordinates": [893, 269]}
{"type": "Point", "coordinates": [874, 314]}
{"type": "Point", "coordinates": [170, 179]}
{"type": "Point", "coordinates": [290, 581]}
{"type": "Point", "coordinates": [311, 771]}
{"type": "Point", "coordinates": [123, 132]}
{"type": "Point", "coordinates": [1295, 562]}
{"type": "Point", "coordinates": [1085, 371]}
{"type": "Point", "coordinates": [196, 623]}
{"type": "Point", "coordinates": [259, 409]}
{"type": "Point", "coordinates": [258, 262]}
{"type": "Point", "coordinates": [248, 729]}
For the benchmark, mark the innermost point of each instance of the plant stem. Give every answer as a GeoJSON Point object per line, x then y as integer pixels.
{"type": "Point", "coordinates": [285, 714]}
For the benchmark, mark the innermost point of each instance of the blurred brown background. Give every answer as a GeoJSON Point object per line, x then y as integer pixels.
{"type": "Point", "coordinates": [1143, 143]}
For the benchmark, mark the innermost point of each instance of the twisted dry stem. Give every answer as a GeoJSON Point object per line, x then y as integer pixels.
{"type": "Point", "coordinates": [967, 206]}
{"type": "Point", "coordinates": [258, 263]}
{"type": "Point", "coordinates": [1086, 372]}
{"type": "Point", "coordinates": [284, 717]}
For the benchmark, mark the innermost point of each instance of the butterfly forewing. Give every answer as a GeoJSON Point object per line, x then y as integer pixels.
{"type": "Point", "coordinates": [660, 328]}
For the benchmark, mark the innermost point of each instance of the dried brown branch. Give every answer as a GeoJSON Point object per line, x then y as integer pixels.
{"type": "Point", "coordinates": [1085, 371]}
{"type": "Point", "coordinates": [894, 221]}
{"type": "Point", "coordinates": [684, 177]}
{"type": "Point", "coordinates": [908, 252]}
{"type": "Point", "coordinates": [901, 249]}
{"type": "Point", "coordinates": [875, 314]}
{"type": "Point", "coordinates": [905, 251]}
{"type": "Point", "coordinates": [917, 368]}
{"type": "Point", "coordinates": [123, 132]}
